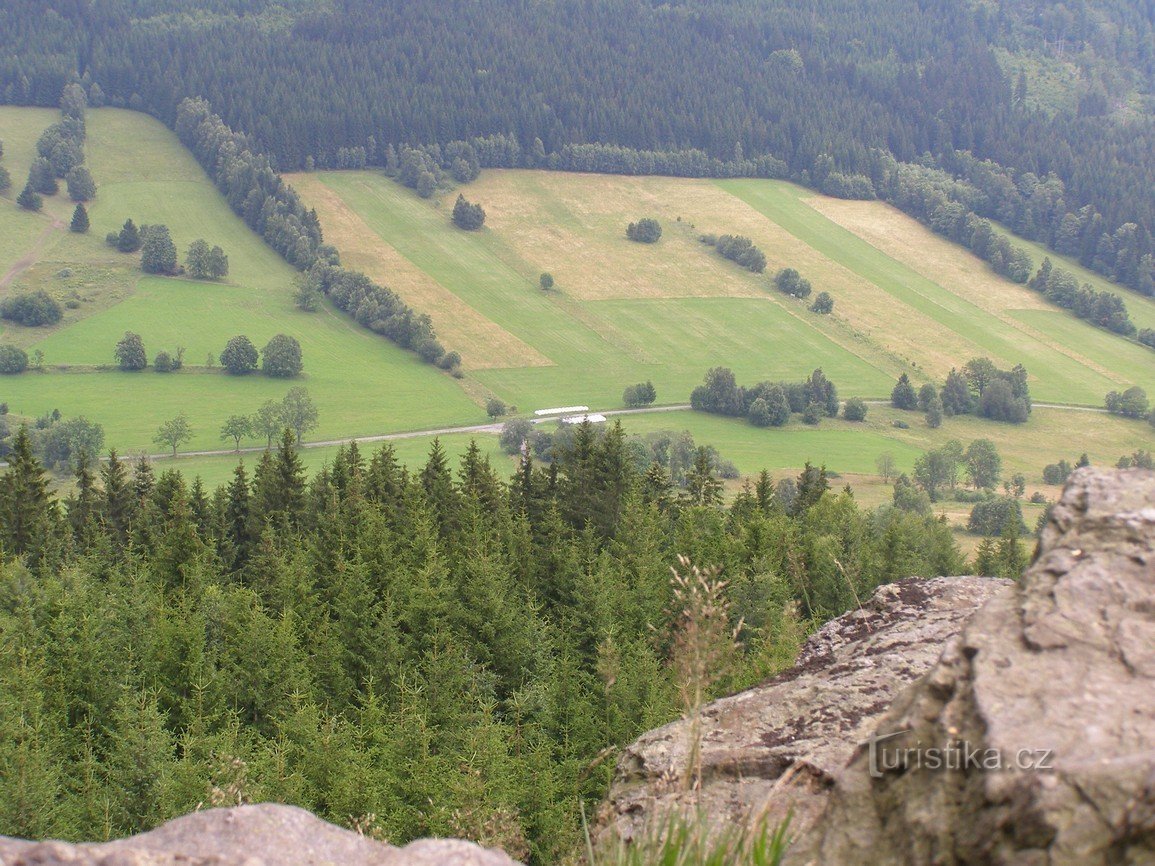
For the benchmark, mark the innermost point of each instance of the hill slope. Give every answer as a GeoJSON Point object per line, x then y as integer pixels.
{"type": "Point", "coordinates": [361, 383]}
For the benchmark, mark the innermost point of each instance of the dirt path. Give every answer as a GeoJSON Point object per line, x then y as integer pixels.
{"type": "Point", "coordinates": [32, 256]}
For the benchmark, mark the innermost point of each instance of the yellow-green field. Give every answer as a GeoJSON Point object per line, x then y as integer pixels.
{"type": "Point", "coordinates": [621, 312]}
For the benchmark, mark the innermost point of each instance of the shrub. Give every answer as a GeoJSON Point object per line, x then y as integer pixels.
{"type": "Point", "coordinates": [759, 413]}
{"type": "Point", "coordinates": [644, 231]}
{"type": "Point", "coordinates": [163, 362]}
{"type": "Point", "coordinates": [823, 304]}
{"type": "Point", "coordinates": [33, 309]}
{"type": "Point", "coordinates": [281, 357]}
{"type": "Point", "coordinates": [790, 282]}
{"type": "Point", "coordinates": [642, 394]}
{"type": "Point", "coordinates": [1057, 473]}
{"type": "Point", "coordinates": [239, 356]}
{"type": "Point", "coordinates": [468, 216]}
{"type": "Point", "coordinates": [12, 360]}
{"type": "Point", "coordinates": [545, 281]}
{"type": "Point", "coordinates": [1132, 403]}
{"type": "Point", "coordinates": [854, 410]}
{"type": "Point", "coordinates": [742, 251]}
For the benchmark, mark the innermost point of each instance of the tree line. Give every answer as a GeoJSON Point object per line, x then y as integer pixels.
{"type": "Point", "coordinates": [273, 209]}
{"type": "Point", "coordinates": [767, 404]}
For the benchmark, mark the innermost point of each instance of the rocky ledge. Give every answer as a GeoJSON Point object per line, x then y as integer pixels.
{"type": "Point", "coordinates": [778, 747]}
{"type": "Point", "coordinates": [920, 730]}
{"type": "Point", "coordinates": [1050, 691]}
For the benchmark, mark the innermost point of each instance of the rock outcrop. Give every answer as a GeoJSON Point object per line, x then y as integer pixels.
{"type": "Point", "coordinates": [264, 835]}
{"type": "Point", "coordinates": [779, 746]}
{"type": "Point", "coordinates": [1051, 689]}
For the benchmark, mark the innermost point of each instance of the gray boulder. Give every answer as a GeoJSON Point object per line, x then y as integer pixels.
{"type": "Point", "coordinates": [778, 747]}
{"type": "Point", "coordinates": [1050, 689]}
{"type": "Point", "coordinates": [268, 834]}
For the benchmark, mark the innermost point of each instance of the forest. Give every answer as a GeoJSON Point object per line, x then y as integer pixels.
{"type": "Point", "coordinates": [825, 93]}
{"type": "Point", "coordinates": [414, 652]}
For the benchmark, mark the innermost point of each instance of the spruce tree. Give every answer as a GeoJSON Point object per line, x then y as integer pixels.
{"type": "Point", "coordinates": [904, 396]}
{"type": "Point", "coordinates": [119, 505]}
{"type": "Point", "coordinates": [81, 187]}
{"type": "Point", "coordinates": [129, 239]}
{"type": "Point", "coordinates": [29, 199]}
{"type": "Point", "coordinates": [79, 223]}
{"type": "Point", "coordinates": [25, 509]}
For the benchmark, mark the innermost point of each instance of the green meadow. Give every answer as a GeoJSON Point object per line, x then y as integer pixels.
{"type": "Point", "coordinates": [620, 312]}
{"type": "Point", "coordinates": [361, 383]}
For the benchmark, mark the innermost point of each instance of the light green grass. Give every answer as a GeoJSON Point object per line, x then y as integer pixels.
{"type": "Point", "coordinates": [1056, 375]}
{"type": "Point", "coordinates": [1140, 308]}
{"type": "Point", "coordinates": [599, 347]}
{"type": "Point", "coordinates": [361, 383]}
{"type": "Point", "coordinates": [19, 130]}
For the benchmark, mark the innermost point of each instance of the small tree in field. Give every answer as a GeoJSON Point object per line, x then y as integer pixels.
{"type": "Point", "coordinates": [30, 199]}
{"type": "Point", "coordinates": [79, 224]}
{"type": "Point", "coordinates": [886, 466]}
{"type": "Point", "coordinates": [240, 356]}
{"type": "Point", "coordinates": [495, 408]}
{"type": "Point", "coordinates": [130, 354]}
{"type": "Point", "coordinates": [173, 433]}
{"type": "Point", "coordinates": [298, 412]}
{"type": "Point", "coordinates": [281, 357]}
{"type": "Point", "coordinates": [237, 428]}
{"type": "Point", "coordinates": [546, 282]}
{"type": "Point", "coordinates": [128, 241]}
{"type": "Point", "coordinates": [468, 216]}
{"type": "Point", "coordinates": [158, 252]}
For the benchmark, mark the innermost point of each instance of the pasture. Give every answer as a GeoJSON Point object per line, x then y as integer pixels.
{"type": "Point", "coordinates": [620, 312]}
{"type": "Point", "coordinates": [361, 383]}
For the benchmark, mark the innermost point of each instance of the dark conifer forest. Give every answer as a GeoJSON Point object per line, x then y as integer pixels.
{"type": "Point", "coordinates": [827, 93]}
{"type": "Point", "coordinates": [412, 652]}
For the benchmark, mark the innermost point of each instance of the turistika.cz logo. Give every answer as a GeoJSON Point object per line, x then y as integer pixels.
{"type": "Point", "coordinates": [888, 755]}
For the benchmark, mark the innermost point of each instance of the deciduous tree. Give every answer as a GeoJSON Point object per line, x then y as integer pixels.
{"type": "Point", "coordinates": [174, 433]}
{"type": "Point", "coordinates": [130, 354]}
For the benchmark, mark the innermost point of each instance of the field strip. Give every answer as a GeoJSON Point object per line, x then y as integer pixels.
{"type": "Point", "coordinates": [495, 428]}
{"type": "Point", "coordinates": [32, 256]}
{"type": "Point", "coordinates": [482, 342]}
{"type": "Point", "coordinates": [947, 264]}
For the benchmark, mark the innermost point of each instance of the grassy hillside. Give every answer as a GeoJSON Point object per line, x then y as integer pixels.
{"type": "Point", "coordinates": [621, 312]}
{"type": "Point", "coordinates": [361, 383]}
